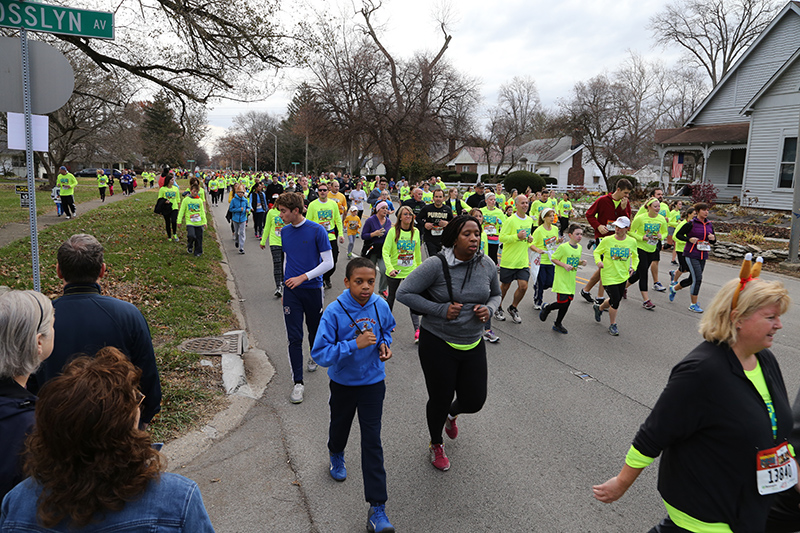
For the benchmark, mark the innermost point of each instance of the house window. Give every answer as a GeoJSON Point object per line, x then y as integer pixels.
{"type": "Point", "coordinates": [787, 162]}
{"type": "Point", "coordinates": [736, 167]}
{"type": "Point", "coordinates": [464, 168]}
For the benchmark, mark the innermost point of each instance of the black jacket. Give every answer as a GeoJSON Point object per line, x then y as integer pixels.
{"type": "Point", "coordinates": [16, 421]}
{"type": "Point", "coordinates": [709, 422]}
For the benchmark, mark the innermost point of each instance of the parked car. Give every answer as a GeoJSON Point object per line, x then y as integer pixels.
{"type": "Point", "coordinates": [92, 172]}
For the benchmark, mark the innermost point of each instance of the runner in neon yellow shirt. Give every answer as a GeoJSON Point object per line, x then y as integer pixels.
{"type": "Point", "coordinates": [567, 258]}
{"type": "Point", "coordinates": [516, 236]}
{"type": "Point", "coordinates": [648, 229]}
{"type": "Point", "coordinates": [493, 219]}
{"type": "Point", "coordinates": [272, 234]}
{"type": "Point", "coordinates": [617, 258]}
{"type": "Point", "coordinates": [545, 242]}
{"type": "Point", "coordinates": [193, 212]}
{"type": "Point", "coordinates": [325, 212]}
{"type": "Point", "coordinates": [401, 255]}
{"type": "Point", "coordinates": [488, 334]}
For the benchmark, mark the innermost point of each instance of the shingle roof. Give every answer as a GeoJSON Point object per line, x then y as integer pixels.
{"type": "Point", "coordinates": [720, 134]}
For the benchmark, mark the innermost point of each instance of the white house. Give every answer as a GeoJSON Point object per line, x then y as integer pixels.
{"type": "Point", "coordinates": [560, 158]}
{"type": "Point", "coordinates": [746, 129]}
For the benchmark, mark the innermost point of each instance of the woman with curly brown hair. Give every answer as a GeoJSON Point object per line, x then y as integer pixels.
{"type": "Point", "coordinates": [90, 466]}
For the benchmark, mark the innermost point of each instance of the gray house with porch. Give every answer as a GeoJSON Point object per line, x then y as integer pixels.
{"type": "Point", "coordinates": [746, 129]}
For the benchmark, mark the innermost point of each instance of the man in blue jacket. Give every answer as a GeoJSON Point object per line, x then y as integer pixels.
{"type": "Point", "coordinates": [88, 321]}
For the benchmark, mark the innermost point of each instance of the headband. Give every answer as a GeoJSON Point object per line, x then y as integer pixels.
{"type": "Point", "coordinates": [747, 273]}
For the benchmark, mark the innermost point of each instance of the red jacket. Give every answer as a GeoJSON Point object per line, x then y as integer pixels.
{"type": "Point", "coordinates": [602, 213]}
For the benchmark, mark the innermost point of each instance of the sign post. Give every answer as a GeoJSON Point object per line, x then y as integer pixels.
{"type": "Point", "coordinates": [50, 19]}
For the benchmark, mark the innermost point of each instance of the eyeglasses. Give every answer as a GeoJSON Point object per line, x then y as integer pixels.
{"type": "Point", "coordinates": [322, 190]}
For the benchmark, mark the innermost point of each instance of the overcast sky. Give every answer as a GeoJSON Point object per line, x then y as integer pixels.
{"type": "Point", "coordinates": [557, 42]}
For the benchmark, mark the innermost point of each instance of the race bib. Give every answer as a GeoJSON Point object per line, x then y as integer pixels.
{"type": "Point", "coordinates": [703, 246]}
{"type": "Point", "coordinates": [490, 229]}
{"type": "Point", "coordinates": [652, 241]}
{"type": "Point", "coordinates": [551, 243]}
{"type": "Point", "coordinates": [326, 225]}
{"type": "Point", "coordinates": [436, 231]}
{"type": "Point", "coordinates": [195, 217]}
{"type": "Point", "coordinates": [776, 470]}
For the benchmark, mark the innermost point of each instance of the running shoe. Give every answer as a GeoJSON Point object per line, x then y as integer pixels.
{"type": "Point", "coordinates": [650, 306]}
{"type": "Point", "coordinates": [672, 293]}
{"type": "Point", "coordinates": [450, 427]}
{"type": "Point", "coordinates": [672, 276]}
{"type": "Point", "coordinates": [592, 244]}
{"type": "Point", "coordinates": [499, 315]}
{"type": "Point", "coordinates": [598, 314]}
{"type": "Point", "coordinates": [278, 292]}
{"type": "Point", "coordinates": [559, 328]}
{"type": "Point", "coordinates": [175, 238]}
{"type": "Point", "coordinates": [599, 300]}
{"type": "Point", "coordinates": [538, 306]}
{"type": "Point", "coordinates": [349, 255]}
{"type": "Point", "coordinates": [338, 470]}
{"type": "Point", "coordinates": [241, 251]}
{"type": "Point", "coordinates": [297, 393]}
{"type": "Point", "coordinates": [675, 263]}
{"type": "Point", "coordinates": [544, 312]}
{"type": "Point", "coordinates": [384, 293]}
{"type": "Point", "coordinates": [489, 336]}
{"type": "Point", "coordinates": [694, 308]}
{"type": "Point", "coordinates": [438, 458]}
{"type": "Point", "coordinates": [612, 330]}
{"type": "Point", "coordinates": [587, 296]}
{"type": "Point", "coordinates": [416, 336]}
{"type": "Point", "coordinates": [235, 244]}
{"type": "Point", "coordinates": [312, 366]}
{"type": "Point", "coordinates": [514, 313]}
{"type": "Point", "coordinates": [328, 284]}
{"type": "Point", "coordinates": [657, 286]}
{"type": "Point", "coordinates": [377, 521]}
{"type": "Point", "coordinates": [68, 217]}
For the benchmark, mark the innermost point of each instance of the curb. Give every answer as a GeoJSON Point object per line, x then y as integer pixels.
{"type": "Point", "coordinates": [253, 371]}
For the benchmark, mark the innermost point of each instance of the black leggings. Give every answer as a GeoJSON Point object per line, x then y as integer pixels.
{"type": "Point", "coordinates": [493, 247]}
{"type": "Point", "coordinates": [171, 222]}
{"type": "Point", "coordinates": [448, 373]}
{"type": "Point", "coordinates": [561, 305]}
{"type": "Point", "coordinates": [645, 258]}
{"type": "Point", "coordinates": [258, 222]}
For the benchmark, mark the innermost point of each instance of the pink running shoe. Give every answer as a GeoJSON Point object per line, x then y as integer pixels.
{"type": "Point", "coordinates": [450, 427]}
{"type": "Point", "coordinates": [438, 458]}
{"type": "Point", "coordinates": [416, 337]}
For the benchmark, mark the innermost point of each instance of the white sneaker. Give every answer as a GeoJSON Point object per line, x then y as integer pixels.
{"type": "Point", "coordinates": [312, 366]}
{"type": "Point", "coordinates": [297, 393]}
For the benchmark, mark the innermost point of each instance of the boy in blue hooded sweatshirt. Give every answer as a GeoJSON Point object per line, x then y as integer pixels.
{"type": "Point", "coordinates": [353, 340]}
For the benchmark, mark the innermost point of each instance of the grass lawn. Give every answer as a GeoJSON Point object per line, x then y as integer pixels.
{"type": "Point", "coordinates": [180, 295]}
{"type": "Point", "coordinates": [10, 211]}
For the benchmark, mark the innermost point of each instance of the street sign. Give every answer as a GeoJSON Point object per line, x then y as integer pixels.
{"type": "Point", "coordinates": [20, 188]}
{"type": "Point", "coordinates": [25, 200]}
{"type": "Point", "coordinates": [56, 19]}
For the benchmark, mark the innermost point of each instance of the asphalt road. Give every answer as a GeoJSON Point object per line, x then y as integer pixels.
{"type": "Point", "coordinates": [560, 416]}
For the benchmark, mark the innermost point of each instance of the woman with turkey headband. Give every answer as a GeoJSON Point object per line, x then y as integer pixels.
{"type": "Point", "coordinates": [723, 420]}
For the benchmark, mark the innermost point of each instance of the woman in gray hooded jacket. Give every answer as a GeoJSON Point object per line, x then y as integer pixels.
{"type": "Point", "coordinates": [451, 347]}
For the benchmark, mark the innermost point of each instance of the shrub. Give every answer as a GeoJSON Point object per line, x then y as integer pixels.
{"type": "Point", "coordinates": [550, 181]}
{"type": "Point", "coordinates": [468, 177]}
{"type": "Point", "coordinates": [490, 178]}
{"type": "Point", "coordinates": [521, 180]}
{"type": "Point", "coordinates": [704, 192]}
{"type": "Point", "coordinates": [746, 236]}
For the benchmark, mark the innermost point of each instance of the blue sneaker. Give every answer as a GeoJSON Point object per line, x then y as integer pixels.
{"type": "Point", "coordinates": [612, 330]}
{"type": "Point", "coordinates": [597, 313]}
{"type": "Point", "coordinates": [672, 293]}
{"type": "Point", "coordinates": [672, 276]}
{"type": "Point", "coordinates": [694, 308]}
{"type": "Point", "coordinates": [338, 470]}
{"type": "Point", "coordinates": [377, 520]}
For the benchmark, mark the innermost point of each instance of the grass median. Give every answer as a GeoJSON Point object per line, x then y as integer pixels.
{"type": "Point", "coordinates": [10, 211]}
{"type": "Point", "coordinates": [180, 295]}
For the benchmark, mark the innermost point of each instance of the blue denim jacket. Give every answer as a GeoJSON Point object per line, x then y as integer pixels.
{"type": "Point", "coordinates": [170, 504]}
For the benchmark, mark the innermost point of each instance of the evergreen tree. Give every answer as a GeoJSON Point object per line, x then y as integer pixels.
{"type": "Point", "coordinates": [162, 136]}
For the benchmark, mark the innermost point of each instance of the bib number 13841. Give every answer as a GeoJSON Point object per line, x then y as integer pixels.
{"type": "Point", "coordinates": [776, 470]}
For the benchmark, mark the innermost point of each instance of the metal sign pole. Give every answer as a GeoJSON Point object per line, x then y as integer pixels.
{"type": "Point", "coordinates": [26, 88]}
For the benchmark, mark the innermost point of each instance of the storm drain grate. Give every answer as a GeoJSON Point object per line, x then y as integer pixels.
{"type": "Point", "coordinates": [231, 343]}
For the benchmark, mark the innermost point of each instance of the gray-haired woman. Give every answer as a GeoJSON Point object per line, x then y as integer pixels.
{"type": "Point", "coordinates": [26, 339]}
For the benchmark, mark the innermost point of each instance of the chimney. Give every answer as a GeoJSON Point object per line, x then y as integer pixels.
{"type": "Point", "coordinates": [576, 139]}
{"type": "Point", "coordinates": [451, 149]}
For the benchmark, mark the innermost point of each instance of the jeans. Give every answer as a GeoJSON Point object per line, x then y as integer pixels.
{"type": "Point", "coordinates": [544, 281]}
{"type": "Point", "coordinates": [239, 234]}
{"type": "Point", "coordinates": [344, 401]}
{"type": "Point", "coordinates": [194, 239]}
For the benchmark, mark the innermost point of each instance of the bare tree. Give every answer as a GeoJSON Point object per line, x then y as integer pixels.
{"type": "Point", "coordinates": [688, 88]}
{"type": "Point", "coordinates": [594, 114]}
{"type": "Point", "coordinates": [714, 33]}
{"type": "Point", "coordinates": [404, 107]}
{"type": "Point", "coordinates": [254, 130]}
